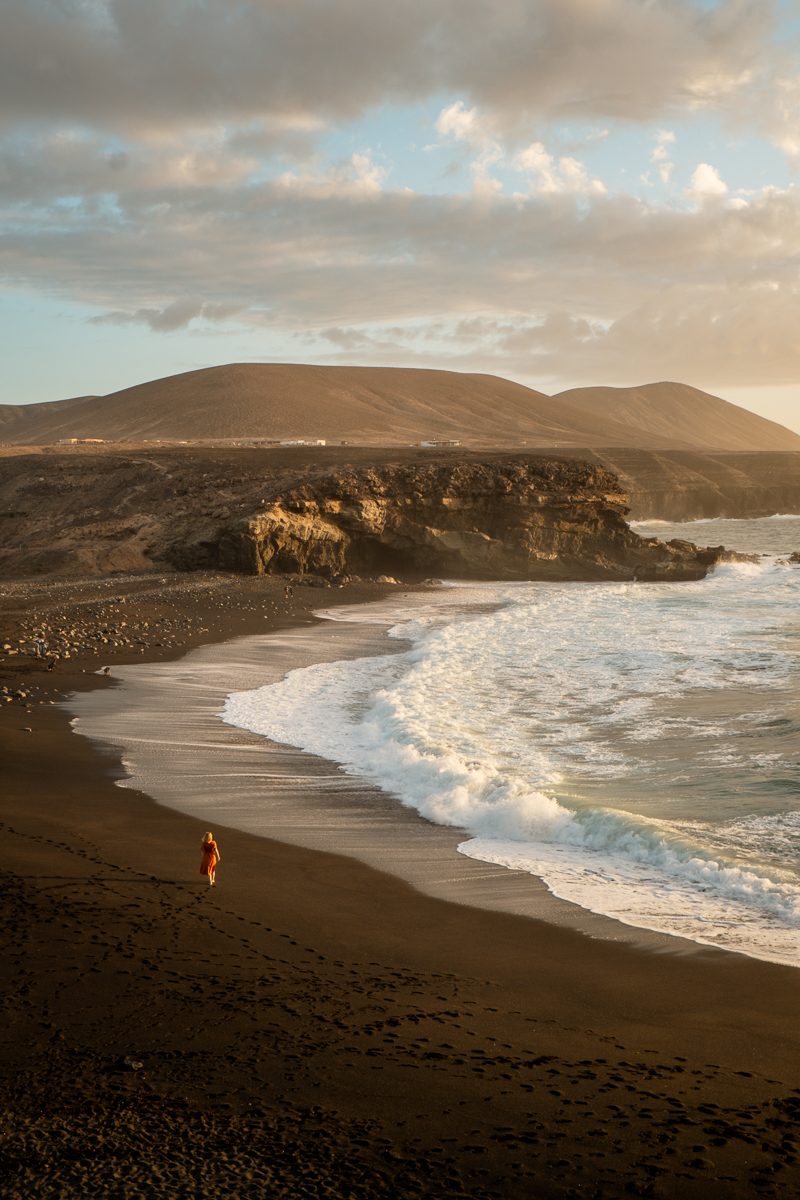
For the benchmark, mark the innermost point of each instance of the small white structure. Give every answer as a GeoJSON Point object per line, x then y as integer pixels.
{"type": "Point", "coordinates": [305, 442]}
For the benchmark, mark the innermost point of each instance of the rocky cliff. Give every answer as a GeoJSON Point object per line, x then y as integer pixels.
{"type": "Point", "coordinates": [682, 486]}
{"type": "Point", "coordinates": [325, 512]}
{"type": "Point", "coordinates": [532, 519]}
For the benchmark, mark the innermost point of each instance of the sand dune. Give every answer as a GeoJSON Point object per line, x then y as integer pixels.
{"type": "Point", "coordinates": [387, 405]}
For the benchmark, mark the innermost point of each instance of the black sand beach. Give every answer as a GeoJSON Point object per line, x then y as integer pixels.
{"type": "Point", "coordinates": [314, 1027]}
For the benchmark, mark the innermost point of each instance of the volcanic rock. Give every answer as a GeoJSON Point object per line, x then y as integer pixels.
{"type": "Point", "coordinates": [515, 520]}
{"type": "Point", "coordinates": [335, 512]}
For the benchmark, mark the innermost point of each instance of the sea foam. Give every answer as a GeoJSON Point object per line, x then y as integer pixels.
{"type": "Point", "coordinates": [634, 745]}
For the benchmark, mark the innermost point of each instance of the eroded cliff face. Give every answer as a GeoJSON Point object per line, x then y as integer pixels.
{"type": "Point", "coordinates": [518, 520]}
{"type": "Point", "coordinates": [685, 486]}
{"type": "Point", "coordinates": [325, 512]}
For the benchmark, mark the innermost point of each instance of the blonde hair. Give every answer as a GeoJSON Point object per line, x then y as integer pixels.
{"type": "Point", "coordinates": [208, 838]}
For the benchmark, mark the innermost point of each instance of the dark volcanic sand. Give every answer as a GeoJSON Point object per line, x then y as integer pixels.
{"type": "Point", "coordinates": [311, 1027]}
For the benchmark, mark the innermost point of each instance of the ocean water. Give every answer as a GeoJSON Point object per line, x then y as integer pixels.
{"type": "Point", "coordinates": [637, 746]}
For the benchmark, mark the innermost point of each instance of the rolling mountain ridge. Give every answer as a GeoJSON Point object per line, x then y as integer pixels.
{"type": "Point", "coordinates": [391, 405]}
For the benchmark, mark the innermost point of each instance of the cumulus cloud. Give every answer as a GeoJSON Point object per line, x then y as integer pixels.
{"type": "Point", "coordinates": [548, 175]}
{"type": "Point", "coordinates": [660, 155]}
{"type": "Point", "coordinates": [706, 183]}
{"type": "Point", "coordinates": [461, 123]}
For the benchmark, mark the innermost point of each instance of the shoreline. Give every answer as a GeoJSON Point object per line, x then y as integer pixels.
{"type": "Point", "coordinates": [364, 1038]}
{"type": "Point", "coordinates": [165, 724]}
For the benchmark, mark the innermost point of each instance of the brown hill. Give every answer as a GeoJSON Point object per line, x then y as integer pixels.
{"type": "Point", "coordinates": [390, 405]}
{"type": "Point", "coordinates": [355, 404]}
{"type": "Point", "coordinates": [675, 410]}
{"type": "Point", "coordinates": [24, 414]}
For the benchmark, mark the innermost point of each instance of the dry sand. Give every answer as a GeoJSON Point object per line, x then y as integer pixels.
{"type": "Point", "coordinates": [314, 1027]}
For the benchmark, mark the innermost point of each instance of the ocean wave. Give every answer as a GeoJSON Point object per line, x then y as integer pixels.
{"type": "Point", "coordinates": [751, 521]}
{"type": "Point", "coordinates": [510, 723]}
{"type": "Point", "coordinates": [612, 886]}
{"type": "Point", "coordinates": [779, 534]}
{"type": "Point", "coordinates": [393, 744]}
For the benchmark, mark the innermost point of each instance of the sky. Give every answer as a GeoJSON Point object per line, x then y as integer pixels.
{"type": "Point", "coordinates": [561, 192]}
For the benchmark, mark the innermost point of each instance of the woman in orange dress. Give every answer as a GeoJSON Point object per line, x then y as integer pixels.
{"type": "Point", "coordinates": [210, 858]}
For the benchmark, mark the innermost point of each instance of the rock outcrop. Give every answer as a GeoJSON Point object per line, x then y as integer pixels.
{"type": "Point", "coordinates": [535, 519]}
{"type": "Point", "coordinates": [681, 486]}
{"type": "Point", "coordinates": [323, 512]}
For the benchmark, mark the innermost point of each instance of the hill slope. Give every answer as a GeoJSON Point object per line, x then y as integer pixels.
{"type": "Point", "coordinates": [358, 404]}
{"type": "Point", "coordinates": [675, 410]}
{"type": "Point", "coordinates": [25, 414]}
{"type": "Point", "coordinates": [390, 405]}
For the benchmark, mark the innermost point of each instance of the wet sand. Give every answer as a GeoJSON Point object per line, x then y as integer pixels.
{"type": "Point", "coordinates": [164, 721]}
{"type": "Point", "coordinates": [315, 1027]}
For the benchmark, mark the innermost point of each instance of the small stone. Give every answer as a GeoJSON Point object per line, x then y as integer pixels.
{"type": "Point", "coordinates": [129, 1064]}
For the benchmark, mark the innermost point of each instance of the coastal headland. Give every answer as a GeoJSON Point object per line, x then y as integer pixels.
{"type": "Point", "coordinates": [334, 470]}
{"type": "Point", "coordinates": [315, 1027]}
{"type": "Point", "coordinates": [406, 511]}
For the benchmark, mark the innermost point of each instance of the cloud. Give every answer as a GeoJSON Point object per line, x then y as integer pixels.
{"type": "Point", "coordinates": [663, 139]}
{"type": "Point", "coordinates": [567, 175]}
{"type": "Point", "coordinates": [706, 183]}
{"type": "Point", "coordinates": [63, 164]}
{"type": "Point", "coordinates": [786, 129]}
{"type": "Point", "coordinates": [147, 69]}
{"type": "Point", "coordinates": [715, 340]}
{"type": "Point", "coordinates": [719, 340]}
{"type": "Point", "coordinates": [358, 177]}
{"type": "Point", "coordinates": [177, 315]}
{"type": "Point", "coordinates": [546, 174]}
{"type": "Point", "coordinates": [660, 154]}
{"type": "Point", "coordinates": [612, 273]}
{"type": "Point", "coordinates": [162, 163]}
{"type": "Point", "coordinates": [460, 123]}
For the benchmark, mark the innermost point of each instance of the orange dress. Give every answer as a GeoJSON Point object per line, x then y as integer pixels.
{"type": "Point", "coordinates": [210, 857]}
